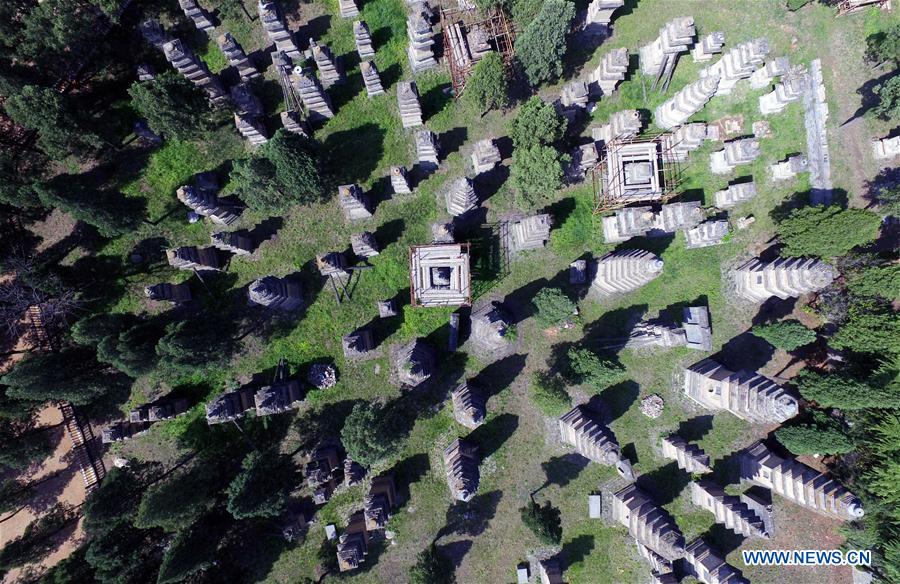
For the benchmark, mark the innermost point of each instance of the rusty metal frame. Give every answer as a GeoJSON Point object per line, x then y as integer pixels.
{"type": "Point", "coordinates": [412, 283]}
{"type": "Point", "coordinates": [500, 32]}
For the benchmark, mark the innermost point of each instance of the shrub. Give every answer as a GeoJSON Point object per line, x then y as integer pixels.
{"type": "Point", "coordinates": [882, 281]}
{"type": "Point", "coordinates": [884, 46]}
{"type": "Point", "coordinates": [847, 392]}
{"type": "Point", "coordinates": [821, 435]}
{"type": "Point", "coordinates": [888, 93]}
{"type": "Point", "coordinates": [788, 334]}
{"type": "Point", "coordinates": [536, 122]}
{"type": "Point", "coordinates": [368, 435]}
{"type": "Point", "coordinates": [549, 395]}
{"type": "Point", "coordinates": [826, 232]}
{"type": "Point", "coordinates": [553, 307]}
{"type": "Point", "coordinates": [537, 173]}
{"type": "Point", "coordinates": [487, 86]}
{"type": "Point", "coordinates": [173, 106]}
{"type": "Point", "coordinates": [541, 48]}
{"type": "Point", "coordinates": [431, 567]}
{"type": "Point", "coordinates": [872, 327]}
{"type": "Point", "coordinates": [587, 367]}
{"type": "Point", "coordinates": [543, 521]}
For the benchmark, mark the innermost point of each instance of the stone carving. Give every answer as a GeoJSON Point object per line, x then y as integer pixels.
{"type": "Point", "coordinates": [194, 258]}
{"type": "Point", "coordinates": [278, 32]}
{"type": "Point", "coordinates": [363, 40]}
{"type": "Point", "coordinates": [195, 70]}
{"type": "Point", "coordinates": [652, 406]}
{"type": "Point", "coordinates": [371, 79]}
{"type": "Point", "coordinates": [461, 468]}
{"type": "Point", "coordinates": [647, 522]}
{"type": "Point", "coordinates": [674, 37]}
{"type": "Point", "coordinates": [600, 13]}
{"type": "Point", "coordinates": [790, 89]}
{"type": "Point", "coordinates": [251, 129]}
{"type": "Point", "coordinates": [737, 63]}
{"type": "Point", "coordinates": [314, 97]}
{"type": "Point", "coordinates": [529, 233]}
{"type": "Point", "coordinates": [353, 544]}
{"type": "Point", "coordinates": [624, 271]}
{"type": "Point", "coordinates": [728, 509]}
{"type": "Point", "coordinates": [763, 76]}
{"type": "Point", "coordinates": [684, 140]}
{"type": "Point", "coordinates": [644, 222]}
{"type": "Point", "coordinates": [332, 264]}
{"type": "Point", "coordinates": [622, 124]}
{"type": "Point", "coordinates": [271, 292]}
{"type": "Point", "coordinates": [708, 46]}
{"type": "Point", "coordinates": [442, 233]}
{"type": "Point", "coordinates": [485, 156]}
{"type": "Point", "coordinates": [468, 405]}
{"type": "Point", "coordinates": [408, 102]}
{"type": "Point", "coordinates": [735, 194]}
{"type": "Point", "coordinates": [364, 244]}
{"type": "Point", "coordinates": [490, 330]}
{"type": "Point", "coordinates": [165, 292]}
{"type": "Point", "coordinates": [748, 395]}
{"type": "Point", "coordinates": [237, 58]}
{"type": "Point", "coordinates": [460, 197]}
{"type": "Point", "coordinates": [381, 498]}
{"type": "Point", "coordinates": [574, 95]}
{"type": "Point", "coordinates": [689, 457]}
{"type": "Point", "coordinates": [205, 202]}
{"type": "Point", "coordinates": [294, 123]}
{"type": "Point", "coordinates": [321, 375]}
{"type": "Point", "coordinates": [415, 362]}
{"type": "Point", "coordinates": [236, 242]}
{"type": "Point", "coordinates": [354, 202]}
{"type": "Point", "coordinates": [611, 71]}
{"type": "Point", "coordinates": [427, 150]}
{"type": "Point", "coordinates": [736, 153]}
{"type": "Point", "coordinates": [706, 234]}
{"type": "Point", "coordinates": [146, 72]}
{"type": "Point", "coordinates": [230, 406]}
{"type": "Point", "coordinates": [784, 277]}
{"type": "Point", "coordinates": [593, 440]}
{"type": "Point", "coordinates": [789, 168]}
{"type": "Point", "coordinates": [399, 181]}
{"type": "Point", "coordinates": [329, 71]}
{"type": "Point", "coordinates": [439, 275]}
{"type": "Point", "coordinates": [358, 344]}
{"type": "Point", "coordinates": [421, 38]}
{"type": "Point", "coordinates": [197, 15]}
{"type": "Point", "coordinates": [348, 8]}
{"type": "Point", "coordinates": [278, 398]}
{"type": "Point", "coordinates": [686, 102]}
{"type": "Point", "coordinates": [708, 567]}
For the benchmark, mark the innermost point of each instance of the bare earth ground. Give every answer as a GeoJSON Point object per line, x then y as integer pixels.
{"type": "Point", "coordinates": [67, 486]}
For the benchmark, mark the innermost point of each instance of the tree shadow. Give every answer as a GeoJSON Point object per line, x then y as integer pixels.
{"type": "Point", "coordinates": [774, 309]}
{"type": "Point", "coordinates": [321, 424]}
{"type": "Point", "coordinates": [745, 351]}
{"type": "Point", "coordinates": [868, 98]}
{"type": "Point", "coordinates": [452, 140]}
{"type": "Point", "coordinates": [614, 325]}
{"type": "Point", "coordinates": [435, 100]}
{"type": "Point", "coordinates": [695, 428]}
{"type": "Point", "coordinates": [887, 180]}
{"type": "Point", "coordinates": [491, 435]}
{"type": "Point", "coordinates": [391, 75]}
{"type": "Point", "coordinates": [390, 232]}
{"type": "Point", "coordinates": [722, 539]}
{"type": "Point", "coordinates": [618, 398]}
{"type": "Point", "coordinates": [381, 36]}
{"type": "Point", "coordinates": [490, 182]}
{"type": "Point", "coordinates": [519, 301]}
{"type": "Point", "coordinates": [354, 154]}
{"type": "Point", "coordinates": [408, 471]}
{"type": "Point", "coordinates": [472, 517]}
{"type": "Point", "coordinates": [316, 27]}
{"type": "Point", "coordinates": [455, 551]}
{"type": "Point", "coordinates": [576, 550]}
{"type": "Point", "coordinates": [692, 195]}
{"type": "Point", "coordinates": [499, 375]}
{"type": "Point", "coordinates": [562, 470]}
{"type": "Point", "coordinates": [656, 245]}
{"type": "Point", "coordinates": [664, 484]}
{"type": "Point", "coordinates": [560, 211]}
{"type": "Point", "coordinates": [266, 229]}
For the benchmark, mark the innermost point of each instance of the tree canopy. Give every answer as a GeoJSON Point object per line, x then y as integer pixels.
{"type": "Point", "coordinates": [585, 366]}
{"type": "Point", "coordinates": [71, 374]}
{"type": "Point", "coordinates": [881, 281]}
{"type": "Point", "coordinates": [872, 327]}
{"type": "Point", "coordinates": [173, 106]}
{"type": "Point", "coordinates": [176, 502]}
{"type": "Point", "coordinates": [132, 351]}
{"type": "Point", "coordinates": [848, 392]}
{"type": "Point", "coordinates": [537, 172]}
{"type": "Point", "coordinates": [487, 86]}
{"type": "Point", "coordinates": [198, 344]}
{"type": "Point", "coordinates": [260, 489]}
{"type": "Point", "coordinates": [553, 307]}
{"type": "Point", "coordinates": [543, 521]}
{"type": "Point", "coordinates": [368, 434]}
{"type": "Point", "coordinates": [431, 567]}
{"type": "Point", "coordinates": [884, 46]}
{"type": "Point", "coordinates": [549, 395]}
{"type": "Point", "coordinates": [822, 434]}
{"type": "Point", "coordinates": [537, 122]}
{"type": "Point", "coordinates": [110, 213]}
{"type": "Point", "coordinates": [888, 95]}
{"type": "Point", "coordinates": [826, 232]}
{"type": "Point", "coordinates": [541, 48]}
{"type": "Point", "coordinates": [787, 334]}
{"type": "Point", "coordinates": [60, 131]}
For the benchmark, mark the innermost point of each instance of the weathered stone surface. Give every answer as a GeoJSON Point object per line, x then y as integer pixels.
{"type": "Point", "coordinates": [251, 129]}
{"type": "Point", "coordinates": [611, 71]}
{"type": "Point", "coordinates": [439, 275]}
{"type": "Point", "coordinates": [530, 232]}
{"type": "Point", "coordinates": [460, 197]}
{"type": "Point", "coordinates": [278, 398]}
{"type": "Point", "coordinates": [321, 375]}
{"type": "Point", "coordinates": [735, 194]}
{"type": "Point", "coordinates": [737, 63]}
{"type": "Point", "coordinates": [485, 156]}
{"type": "Point", "coordinates": [371, 79]}
{"type": "Point", "coordinates": [789, 168]}
{"type": "Point", "coordinates": [194, 258]}
{"type": "Point", "coordinates": [330, 72]}
{"type": "Point", "coordinates": [353, 544]}
{"type": "Point", "coordinates": [728, 509]}
{"type": "Point", "coordinates": [886, 148]}
{"type": "Point", "coordinates": [748, 395]}
{"type": "Point", "coordinates": [652, 406]}
{"type": "Point", "coordinates": [708, 567]}
{"type": "Point", "coordinates": [415, 362]}
{"type": "Point", "coordinates": [230, 406]}
{"type": "Point", "coordinates": [236, 56]}
{"type": "Point", "coordinates": [236, 242]}
{"type": "Point", "coordinates": [574, 95]}
{"type": "Point", "coordinates": [194, 70]}
{"type": "Point", "coordinates": [364, 244]}
{"type": "Point", "coordinates": [622, 124]}
{"type": "Point", "coordinates": [358, 344]}
{"type": "Point", "coordinates": [790, 89]}
{"type": "Point", "coordinates": [205, 202]}
{"type": "Point", "coordinates": [461, 468]}
{"type": "Point", "coordinates": [624, 271]}
{"type": "Point", "coordinates": [686, 102]}
{"type": "Point", "coordinates": [427, 150]}
{"type": "Point", "coordinates": [784, 277]}
{"type": "Point", "coordinates": [294, 123]}
{"type": "Point", "coordinates": [674, 37]}
{"type": "Point", "coordinates": [354, 202]}
{"type": "Point", "coordinates": [348, 8]}
{"type": "Point", "coordinates": [272, 292]}
{"type": "Point", "coordinates": [387, 309]}
{"type": "Point", "coordinates": [332, 264]}
{"type": "Point", "coordinates": [154, 33]}
{"type": "Point", "coordinates": [421, 38]}
{"type": "Point", "coordinates": [146, 72]}
{"type": "Point", "coordinates": [706, 234]}
{"type": "Point", "coordinates": [593, 440]}
{"type": "Point", "coordinates": [773, 68]}
{"type": "Point", "coordinates": [197, 14]}
{"type": "Point", "coordinates": [684, 140]}
{"type": "Point", "coordinates": [379, 501]}
{"type": "Point", "coordinates": [736, 153]}
{"type": "Point", "coordinates": [689, 457]}
{"type": "Point", "coordinates": [408, 103]}
{"type": "Point", "coordinates": [468, 405]}
{"type": "Point", "coordinates": [600, 12]}
{"type": "Point", "coordinates": [647, 522]}
{"type": "Point", "coordinates": [708, 46]}
{"type": "Point", "coordinates": [272, 22]}
{"type": "Point", "coordinates": [363, 39]}
{"type": "Point", "coordinates": [400, 181]}
{"type": "Point", "coordinates": [491, 334]}
{"type": "Point", "coordinates": [165, 292]}
{"type": "Point", "coordinates": [442, 233]}
{"type": "Point", "coordinates": [313, 96]}
{"type": "Point", "coordinates": [643, 221]}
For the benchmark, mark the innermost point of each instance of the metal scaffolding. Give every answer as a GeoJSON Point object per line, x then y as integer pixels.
{"type": "Point", "coordinates": [456, 25]}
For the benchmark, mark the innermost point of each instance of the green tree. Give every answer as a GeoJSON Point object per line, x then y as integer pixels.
{"type": "Point", "coordinates": [22, 445]}
{"type": "Point", "coordinates": [112, 214]}
{"type": "Point", "coordinates": [368, 435]}
{"type": "Point", "coordinates": [822, 434]}
{"type": "Point", "coordinates": [55, 27]}
{"type": "Point", "coordinates": [172, 106]}
{"type": "Point", "coordinates": [881, 281]}
{"type": "Point", "coordinates": [260, 490]}
{"type": "Point", "coordinates": [16, 186]}
{"type": "Point", "coordinates": [431, 567]}
{"type": "Point", "coordinates": [541, 48]}
{"type": "Point", "coordinates": [826, 232]}
{"type": "Point", "coordinates": [92, 330]}
{"type": "Point", "coordinates": [787, 334]}
{"type": "Point", "coordinates": [38, 539]}
{"type": "Point", "coordinates": [548, 393]}
{"type": "Point", "coordinates": [123, 554]}
{"type": "Point", "coordinates": [71, 374]}
{"type": "Point", "coordinates": [284, 173]}
{"type": "Point", "coordinates": [873, 327]}
{"type": "Point", "coordinates": [193, 550]}
{"type": "Point", "coordinates": [887, 195]}
{"type": "Point", "coordinates": [537, 173]}
{"type": "Point", "coordinates": [72, 570]}
{"type": "Point", "coordinates": [487, 86]}
{"type": "Point", "coordinates": [586, 367]}
{"type": "Point", "coordinates": [176, 502]}
{"type": "Point", "coordinates": [847, 392]}
{"type": "Point", "coordinates": [537, 122]}
{"type": "Point", "coordinates": [888, 94]}
{"type": "Point", "coordinates": [543, 521]}
{"type": "Point", "coordinates": [190, 346]}
{"type": "Point", "coordinates": [59, 130]}
{"type": "Point", "coordinates": [133, 351]}
{"type": "Point", "coordinates": [13, 496]}
{"type": "Point", "coordinates": [884, 46]}
{"type": "Point", "coordinates": [553, 307]}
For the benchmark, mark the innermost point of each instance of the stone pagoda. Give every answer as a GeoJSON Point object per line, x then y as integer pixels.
{"type": "Point", "coordinates": [400, 181]}
{"type": "Point", "coordinates": [798, 483]}
{"type": "Point", "coordinates": [674, 37]}
{"type": "Point", "coordinates": [332, 264]}
{"type": "Point", "coordinates": [736, 153]}
{"type": "Point", "coordinates": [689, 457]}
{"type": "Point", "coordinates": [237, 58]}
{"type": "Point", "coordinates": [886, 148]}
{"type": "Point", "coordinates": [531, 232]}
{"type": "Point", "coordinates": [364, 244]}
{"type": "Point", "coordinates": [748, 395]}
{"type": "Point", "coordinates": [230, 406]}
{"type": "Point", "coordinates": [195, 70]}
{"type": "Point", "coordinates": [643, 221]}
{"type": "Point", "coordinates": [460, 197]}
{"type": "Point", "coordinates": [729, 510]}
{"type": "Point", "coordinates": [706, 234]}
{"type": "Point", "coordinates": [165, 292]}
{"type": "Point", "coordinates": [647, 522]}
{"type": "Point", "coordinates": [485, 156]}
{"type": "Point", "coordinates": [789, 168]}
{"type": "Point", "coordinates": [329, 71]}
{"type": "Point", "coordinates": [735, 194]}
{"type": "Point", "coordinates": [353, 544]}
{"type": "Point", "coordinates": [657, 563]}
{"type": "Point", "coordinates": [461, 468]}
{"type": "Point", "coordinates": [439, 275]}
{"type": "Point", "coordinates": [490, 331]}
{"type": "Point", "coordinates": [574, 96]}
{"type": "Point", "coordinates": [348, 8]}
{"type": "Point", "coordinates": [427, 148]}
{"type": "Point", "coordinates": [236, 242]}
{"type": "Point", "coordinates": [599, 14]}
{"type": "Point", "coordinates": [622, 124]}
{"type": "Point", "coordinates": [421, 40]}
{"type": "Point", "coordinates": [314, 97]}
{"type": "Point", "coordinates": [354, 202]}
{"type": "Point", "coordinates": [294, 123]}
{"type": "Point", "coordinates": [358, 344]}
{"type": "Point", "coordinates": [686, 102]}
{"type": "Point", "coordinates": [408, 103]}
{"type": "Point", "coordinates": [773, 68]}
{"type": "Point", "coordinates": [624, 271]}
{"type": "Point", "coordinates": [205, 202]}
{"type": "Point", "coordinates": [251, 129]}
{"type": "Point", "coordinates": [278, 398]}
{"type": "Point", "coordinates": [272, 292]}
{"type": "Point", "coordinates": [197, 15]}
{"type": "Point", "coordinates": [415, 362]}
{"type": "Point", "coordinates": [593, 440]}
{"type": "Point", "coordinates": [611, 71]}
{"type": "Point", "coordinates": [278, 32]}
{"type": "Point", "coordinates": [790, 89]}
{"type": "Point", "coordinates": [468, 405]}
{"type": "Point", "coordinates": [785, 278]}
{"type": "Point", "coordinates": [379, 501]}
{"type": "Point", "coordinates": [154, 33]}
{"type": "Point", "coordinates": [708, 46]}
{"type": "Point", "coordinates": [684, 140]}
{"type": "Point", "coordinates": [703, 563]}
{"type": "Point", "coordinates": [194, 258]}
{"type": "Point", "coordinates": [363, 40]}
{"type": "Point", "coordinates": [371, 79]}
{"type": "Point", "coordinates": [737, 63]}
